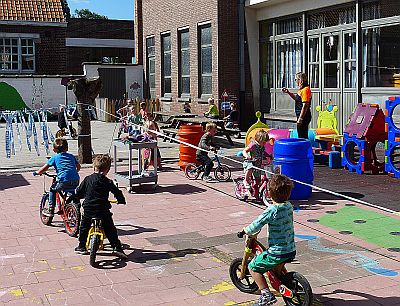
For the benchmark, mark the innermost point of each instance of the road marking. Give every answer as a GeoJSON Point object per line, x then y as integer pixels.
{"type": "Point", "coordinates": [12, 256]}
{"type": "Point", "coordinates": [221, 287]}
{"type": "Point", "coordinates": [78, 268]}
{"type": "Point", "coordinates": [18, 292]}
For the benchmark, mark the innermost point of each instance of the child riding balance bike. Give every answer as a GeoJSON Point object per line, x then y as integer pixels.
{"type": "Point", "coordinates": [247, 273]}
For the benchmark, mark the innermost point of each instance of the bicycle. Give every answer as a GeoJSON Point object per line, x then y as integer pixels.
{"type": "Point", "coordinates": [69, 131]}
{"type": "Point", "coordinates": [69, 213]}
{"type": "Point", "coordinates": [222, 172]}
{"type": "Point", "coordinates": [95, 239]}
{"type": "Point", "coordinates": [242, 193]}
{"type": "Point", "coordinates": [294, 287]}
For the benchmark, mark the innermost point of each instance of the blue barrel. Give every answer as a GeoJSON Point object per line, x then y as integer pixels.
{"type": "Point", "coordinates": [295, 157]}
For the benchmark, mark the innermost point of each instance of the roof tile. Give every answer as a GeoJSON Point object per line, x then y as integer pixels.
{"type": "Point", "coordinates": [34, 10]}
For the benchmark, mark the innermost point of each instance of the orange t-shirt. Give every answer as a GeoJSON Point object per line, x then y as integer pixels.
{"type": "Point", "coordinates": [303, 96]}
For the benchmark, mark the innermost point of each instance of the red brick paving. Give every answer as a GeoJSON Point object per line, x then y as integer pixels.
{"type": "Point", "coordinates": [38, 265]}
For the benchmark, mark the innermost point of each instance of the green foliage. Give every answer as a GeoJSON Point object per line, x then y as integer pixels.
{"type": "Point", "coordinates": [87, 14]}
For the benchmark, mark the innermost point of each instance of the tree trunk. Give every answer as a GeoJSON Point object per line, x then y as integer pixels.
{"type": "Point", "coordinates": [85, 90]}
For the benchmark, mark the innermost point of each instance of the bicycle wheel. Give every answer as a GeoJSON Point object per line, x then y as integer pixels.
{"type": "Point", "coordinates": [222, 173]}
{"type": "Point", "coordinates": [240, 191]}
{"type": "Point", "coordinates": [72, 219]}
{"type": "Point", "coordinates": [192, 171]}
{"type": "Point", "coordinates": [247, 284]}
{"type": "Point", "coordinates": [44, 204]}
{"type": "Point", "coordinates": [266, 198]}
{"type": "Point", "coordinates": [94, 246]}
{"type": "Point", "coordinates": [302, 292]}
{"type": "Point", "coordinates": [59, 134]}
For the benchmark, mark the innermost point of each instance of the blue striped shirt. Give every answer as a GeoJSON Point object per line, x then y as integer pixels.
{"type": "Point", "coordinates": [279, 218]}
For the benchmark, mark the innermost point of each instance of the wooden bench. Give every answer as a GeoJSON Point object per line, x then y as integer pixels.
{"type": "Point", "coordinates": [234, 131]}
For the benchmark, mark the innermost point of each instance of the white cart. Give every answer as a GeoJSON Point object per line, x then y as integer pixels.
{"type": "Point", "coordinates": [136, 176]}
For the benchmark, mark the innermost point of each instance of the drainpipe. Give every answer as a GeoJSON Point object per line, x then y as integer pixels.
{"type": "Point", "coordinates": [241, 58]}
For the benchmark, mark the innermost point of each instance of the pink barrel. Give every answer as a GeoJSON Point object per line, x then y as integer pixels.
{"type": "Point", "coordinates": [275, 134]}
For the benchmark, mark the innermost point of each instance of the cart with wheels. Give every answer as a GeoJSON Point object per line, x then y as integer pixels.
{"type": "Point", "coordinates": [135, 174]}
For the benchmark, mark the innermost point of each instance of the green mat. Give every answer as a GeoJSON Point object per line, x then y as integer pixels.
{"type": "Point", "coordinates": [375, 230]}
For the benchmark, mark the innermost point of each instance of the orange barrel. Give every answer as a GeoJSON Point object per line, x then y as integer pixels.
{"type": "Point", "coordinates": [189, 133]}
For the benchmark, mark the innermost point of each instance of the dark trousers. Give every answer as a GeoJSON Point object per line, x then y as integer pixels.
{"type": "Point", "coordinates": [302, 128]}
{"type": "Point", "coordinates": [206, 162]}
{"type": "Point", "coordinates": [109, 229]}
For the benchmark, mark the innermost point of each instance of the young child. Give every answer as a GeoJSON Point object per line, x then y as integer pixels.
{"type": "Point", "coordinates": [207, 142]}
{"type": "Point", "coordinates": [254, 154]}
{"type": "Point", "coordinates": [212, 110]}
{"type": "Point", "coordinates": [186, 107]}
{"type": "Point", "coordinates": [67, 168]}
{"type": "Point", "coordinates": [142, 111]}
{"type": "Point", "coordinates": [95, 189]}
{"type": "Point", "coordinates": [62, 123]}
{"type": "Point", "coordinates": [279, 218]}
{"type": "Point", "coordinates": [150, 125]}
{"type": "Point", "coordinates": [233, 117]}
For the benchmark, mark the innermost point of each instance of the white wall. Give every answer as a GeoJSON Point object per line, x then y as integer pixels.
{"type": "Point", "coordinates": [33, 90]}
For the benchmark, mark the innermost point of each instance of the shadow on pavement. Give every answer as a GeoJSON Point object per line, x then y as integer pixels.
{"type": "Point", "coordinates": [135, 231]}
{"type": "Point", "coordinates": [323, 196]}
{"type": "Point", "coordinates": [173, 189]}
{"type": "Point", "coordinates": [8, 181]}
{"type": "Point", "coordinates": [367, 299]}
{"type": "Point", "coordinates": [143, 256]}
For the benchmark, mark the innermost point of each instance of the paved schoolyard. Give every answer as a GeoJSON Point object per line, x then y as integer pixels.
{"type": "Point", "coordinates": [180, 240]}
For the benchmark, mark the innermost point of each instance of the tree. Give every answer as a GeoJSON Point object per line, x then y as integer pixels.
{"type": "Point", "coordinates": [87, 14]}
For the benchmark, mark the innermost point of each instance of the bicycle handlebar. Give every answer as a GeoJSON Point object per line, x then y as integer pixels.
{"type": "Point", "coordinates": [44, 173]}
{"type": "Point", "coordinates": [241, 234]}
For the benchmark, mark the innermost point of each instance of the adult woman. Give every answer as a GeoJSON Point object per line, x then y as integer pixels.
{"type": "Point", "coordinates": [302, 104]}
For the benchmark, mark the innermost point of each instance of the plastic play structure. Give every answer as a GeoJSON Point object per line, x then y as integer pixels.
{"type": "Point", "coordinates": [392, 144]}
{"type": "Point", "coordinates": [366, 128]}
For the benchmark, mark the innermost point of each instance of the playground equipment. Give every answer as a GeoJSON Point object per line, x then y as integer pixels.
{"type": "Point", "coordinates": [366, 128]}
{"type": "Point", "coordinates": [392, 144]}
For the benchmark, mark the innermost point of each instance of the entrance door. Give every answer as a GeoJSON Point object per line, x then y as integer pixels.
{"type": "Point", "coordinates": [332, 72]}
{"type": "Point", "coordinates": [113, 83]}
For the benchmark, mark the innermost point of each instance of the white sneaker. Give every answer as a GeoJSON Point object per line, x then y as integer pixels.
{"type": "Point", "coordinates": [207, 178]}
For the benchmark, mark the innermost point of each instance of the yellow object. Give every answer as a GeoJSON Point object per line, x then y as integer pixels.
{"type": "Point", "coordinates": [327, 118]}
{"type": "Point", "coordinates": [221, 287]}
{"type": "Point", "coordinates": [255, 127]}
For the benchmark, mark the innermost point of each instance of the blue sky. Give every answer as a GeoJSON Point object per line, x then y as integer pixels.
{"type": "Point", "coordinates": [117, 9]}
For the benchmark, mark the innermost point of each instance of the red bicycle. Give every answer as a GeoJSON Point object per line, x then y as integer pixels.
{"type": "Point", "coordinates": [294, 287]}
{"type": "Point", "coordinates": [69, 213]}
{"type": "Point", "coordinates": [258, 191]}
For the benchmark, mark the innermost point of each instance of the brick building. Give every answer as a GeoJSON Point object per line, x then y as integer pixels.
{"type": "Point", "coordinates": [39, 37]}
{"type": "Point", "coordinates": [192, 50]}
{"type": "Point", "coordinates": [97, 40]}
{"type": "Point", "coordinates": [32, 36]}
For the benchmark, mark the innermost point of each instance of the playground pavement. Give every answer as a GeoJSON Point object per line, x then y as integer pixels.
{"type": "Point", "coordinates": [181, 238]}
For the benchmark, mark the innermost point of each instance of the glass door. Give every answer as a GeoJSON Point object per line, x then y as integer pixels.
{"type": "Point", "coordinates": [331, 61]}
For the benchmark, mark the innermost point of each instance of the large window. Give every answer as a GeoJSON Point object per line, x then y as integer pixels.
{"type": "Point", "coordinates": [349, 60]}
{"type": "Point", "coordinates": [151, 66]}
{"type": "Point", "coordinates": [205, 63]}
{"type": "Point", "coordinates": [289, 61]}
{"type": "Point", "coordinates": [331, 61]}
{"type": "Point", "coordinates": [184, 63]}
{"type": "Point", "coordinates": [313, 61]}
{"type": "Point", "coordinates": [381, 60]}
{"type": "Point", "coordinates": [17, 55]}
{"type": "Point", "coordinates": [166, 64]}
{"type": "Point", "coordinates": [380, 9]}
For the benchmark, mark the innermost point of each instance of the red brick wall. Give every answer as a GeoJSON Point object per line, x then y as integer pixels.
{"type": "Point", "coordinates": [100, 28]}
{"type": "Point", "coordinates": [50, 48]}
{"type": "Point", "coordinates": [77, 55]}
{"type": "Point", "coordinates": [162, 16]}
{"type": "Point", "coordinates": [138, 32]}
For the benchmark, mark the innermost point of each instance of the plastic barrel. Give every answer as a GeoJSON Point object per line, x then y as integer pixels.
{"type": "Point", "coordinates": [295, 157]}
{"type": "Point", "coordinates": [190, 134]}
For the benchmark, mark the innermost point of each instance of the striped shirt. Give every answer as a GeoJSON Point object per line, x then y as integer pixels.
{"type": "Point", "coordinates": [279, 218]}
